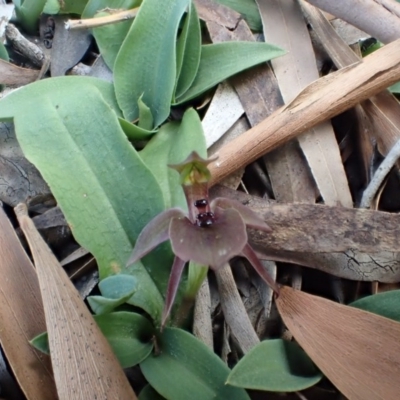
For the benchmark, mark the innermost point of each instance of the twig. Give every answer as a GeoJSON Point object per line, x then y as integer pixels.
{"type": "Point", "coordinates": [380, 175]}
{"type": "Point", "coordinates": [321, 100]}
{"type": "Point", "coordinates": [234, 311]}
{"type": "Point", "coordinates": [202, 326]}
{"type": "Point", "coordinates": [24, 46]}
{"type": "Point", "coordinates": [101, 21]}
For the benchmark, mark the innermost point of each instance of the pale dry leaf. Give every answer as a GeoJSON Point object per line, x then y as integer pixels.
{"type": "Point", "coordinates": [323, 99]}
{"type": "Point", "coordinates": [22, 316]}
{"type": "Point", "coordinates": [83, 363]}
{"type": "Point", "coordinates": [224, 110]}
{"type": "Point", "coordinates": [284, 26]}
{"type": "Point", "coordinates": [359, 352]}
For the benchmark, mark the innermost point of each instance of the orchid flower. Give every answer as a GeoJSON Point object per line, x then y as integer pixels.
{"type": "Point", "coordinates": [210, 234]}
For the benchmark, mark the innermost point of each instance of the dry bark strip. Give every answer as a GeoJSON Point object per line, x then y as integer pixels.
{"type": "Point", "coordinates": [10, 74]}
{"type": "Point", "coordinates": [22, 317]}
{"type": "Point", "coordinates": [84, 364]}
{"type": "Point", "coordinates": [319, 228]}
{"type": "Point", "coordinates": [321, 100]}
{"type": "Point", "coordinates": [368, 15]}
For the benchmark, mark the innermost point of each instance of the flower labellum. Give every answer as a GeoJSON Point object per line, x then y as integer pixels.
{"type": "Point", "coordinates": [210, 234]}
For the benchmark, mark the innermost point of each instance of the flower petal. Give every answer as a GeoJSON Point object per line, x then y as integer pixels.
{"type": "Point", "coordinates": [154, 233]}
{"type": "Point", "coordinates": [213, 245]}
{"type": "Point", "coordinates": [249, 253]}
{"type": "Point", "coordinates": [251, 219]}
{"type": "Point", "coordinates": [173, 283]}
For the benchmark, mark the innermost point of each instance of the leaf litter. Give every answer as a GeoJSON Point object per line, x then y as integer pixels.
{"type": "Point", "coordinates": [327, 233]}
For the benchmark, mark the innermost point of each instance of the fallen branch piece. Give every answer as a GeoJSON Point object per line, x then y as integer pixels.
{"type": "Point", "coordinates": [321, 100]}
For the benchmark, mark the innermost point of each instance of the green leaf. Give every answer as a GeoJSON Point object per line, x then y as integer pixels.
{"type": "Point", "coordinates": [95, 6]}
{"type": "Point", "coordinates": [65, 6]}
{"type": "Point", "coordinates": [109, 38]}
{"type": "Point", "coordinates": [188, 51]}
{"type": "Point", "coordinates": [148, 393]}
{"type": "Point", "coordinates": [106, 192]}
{"type": "Point", "coordinates": [146, 63]}
{"type": "Point", "coordinates": [41, 342]}
{"type": "Point", "coordinates": [28, 13]}
{"type": "Point", "coordinates": [185, 368]}
{"type": "Point", "coordinates": [120, 288]}
{"type": "Point", "coordinates": [134, 132]}
{"type": "Point", "coordinates": [4, 52]}
{"type": "Point", "coordinates": [221, 60]}
{"type": "Point", "coordinates": [197, 274]}
{"type": "Point", "coordinates": [145, 117]}
{"type": "Point", "coordinates": [52, 7]}
{"type": "Point", "coordinates": [277, 366]}
{"type": "Point", "coordinates": [171, 145]}
{"type": "Point", "coordinates": [129, 334]}
{"type": "Point", "coordinates": [386, 304]}
{"type": "Point", "coordinates": [249, 11]}
{"type": "Point", "coordinates": [395, 88]}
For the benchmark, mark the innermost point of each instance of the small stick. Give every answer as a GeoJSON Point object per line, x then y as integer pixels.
{"type": "Point", "coordinates": [234, 311]}
{"type": "Point", "coordinates": [101, 21]}
{"type": "Point", "coordinates": [202, 326]}
{"type": "Point", "coordinates": [380, 175]}
{"type": "Point", "coordinates": [24, 46]}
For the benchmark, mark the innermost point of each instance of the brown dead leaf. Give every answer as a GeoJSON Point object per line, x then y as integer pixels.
{"type": "Point", "coordinates": [357, 350]}
{"type": "Point", "coordinates": [321, 100]}
{"type": "Point", "coordinates": [10, 74]}
{"type": "Point", "coordinates": [83, 363]}
{"type": "Point", "coordinates": [22, 317]}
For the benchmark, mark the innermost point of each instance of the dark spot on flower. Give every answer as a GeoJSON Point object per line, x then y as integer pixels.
{"type": "Point", "coordinates": [200, 203]}
{"type": "Point", "coordinates": [205, 219]}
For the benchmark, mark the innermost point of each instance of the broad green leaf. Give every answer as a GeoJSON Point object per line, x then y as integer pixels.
{"type": "Point", "coordinates": [171, 145]}
{"type": "Point", "coordinates": [277, 366]}
{"type": "Point", "coordinates": [28, 13]}
{"type": "Point", "coordinates": [129, 334]}
{"type": "Point", "coordinates": [185, 368]}
{"type": "Point", "coordinates": [120, 288]}
{"type": "Point", "coordinates": [106, 192]}
{"type": "Point", "coordinates": [386, 304]}
{"type": "Point", "coordinates": [146, 63]}
{"type": "Point", "coordinates": [145, 117]}
{"type": "Point", "coordinates": [134, 132]}
{"type": "Point", "coordinates": [249, 11]}
{"type": "Point", "coordinates": [52, 7]}
{"type": "Point", "coordinates": [64, 6]}
{"type": "Point", "coordinates": [15, 102]}
{"type": "Point", "coordinates": [221, 60]}
{"type": "Point", "coordinates": [109, 38]}
{"type": "Point", "coordinates": [148, 393]}
{"type": "Point", "coordinates": [95, 6]}
{"type": "Point", "coordinates": [188, 51]}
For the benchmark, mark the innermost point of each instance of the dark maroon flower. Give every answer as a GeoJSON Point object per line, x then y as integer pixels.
{"type": "Point", "coordinates": [210, 234]}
